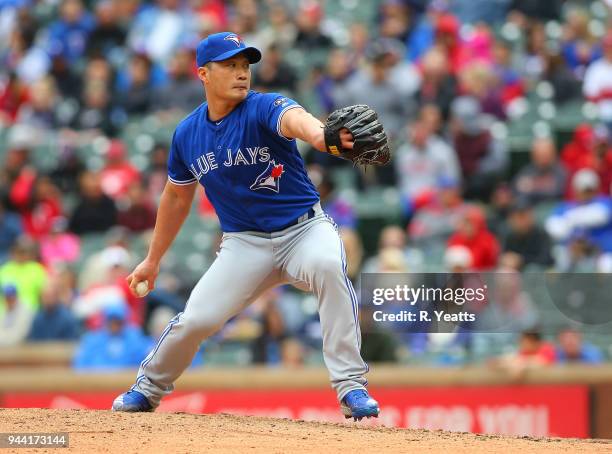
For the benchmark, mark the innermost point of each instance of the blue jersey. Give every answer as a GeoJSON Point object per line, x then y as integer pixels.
{"type": "Point", "coordinates": [253, 175]}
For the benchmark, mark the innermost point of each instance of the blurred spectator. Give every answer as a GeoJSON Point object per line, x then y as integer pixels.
{"type": "Point", "coordinates": [117, 345]}
{"type": "Point", "coordinates": [589, 149]}
{"type": "Point", "coordinates": [483, 158]}
{"type": "Point", "coordinates": [395, 18]}
{"type": "Point", "coordinates": [95, 114]}
{"type": "Point", "coordinates": [458, 259]}
{"type": "Point", "coordinates": [17, 160]}
{"type": "Point", "coordinates": [13, 95]}
{"type": "Point", "coordinates": [95, 269]}
{"type": "Point", "coordinates": [108, 35]}
{"type": "Point", "coordinates": [161, 28]}
{"type": "Point", "coordinates": [536, 51]}
{"type": "Point", "coordinates": [438, 217]}
{"type": "Point", "coordinates": [136, 96]}
{"type": "Point", "coordinates": [572, 349]}
{"type": "Point", "coordinates": [526, 243]}
{"type": "Point", "coordinates": [182, 92]}
{"type": "Point", "coordinates": [393, 237]}
{"type": "Point", "coordinates": [28, 60]}
{"type": "Point", "coordinates": [377, 84]}
{"type": "Point", "coordinates": [578, 153]}
{"type": "Point", "coordinates": [109, 289]}
{"type": "Point", "coordinates": [509, 81]}
{"type": "Point", "coordinates": [598, 82]}
{"type": "Point", "coordinates": [10, 229]}
{"type": "Point", "coordinates": [118, 174]}
{"type": "Point", "coordinates": [65, 175]}
{"type": "Point", "coordinates": [266, 344]}
{"type": "Point", "coordinates": [43, 207]}
{"type": "Point", "coordinates": [137, 213]}
{"type": "Point", "coordinates": [41, 111]}
{"type": "Point", "coordinates": [65, 279]}
{"type": "Point", "coordinates": [473, 233]}
{"type": "Point", "coordinates": [565, 85]}
{"type": "Point", "coordinates": [310, 37]}
{"type": "Point", "coordinates": [480, 82]}
{"type": "Point", "coordinates": [54, 320]}
{"type": "Point", "coordinates": [274, 75]}
{"type": "Point", "coordinates": [245, 20]}
{"type": "Point", "coordinates": [59, 246]}
{"type": "Point", "coordinates": [99, 72]}
{"type": "Point", "coordinates": [69, 84]}
{"type": "Point", "coordinates": [25, 273]}
{"type": "Point", "coordinates": [533, 352]}
{"type": "Point", "coordinates": [157, 172]}
{"type": "Point", "coordinates": [15, 319]}
{"type": "Point", "coordinates": [544, 179]}
{"type": "Point", "coordinates": [336, 75]}
{"type": "Point", "coordinates": [580, 48]}
{"type": "Point", "coordinates": [95, 211]}
{"type": "Point", "coordinates": [588, 217]}
{"type": "Point", "coordinates": [212, 15]}
{"type": "Point", "coordinates": [424, 161]}
{"type": "Point", "coordinates": [340, 210]}
{"type": "Point", "coordinates": [448, 40]}
{"type": "Point", "coordinates": [68, 35]}
{"type": "Point", "coordinates": [438, 86]}
{"type": "Point", "coordinates": [501, 203]}
{"type": "Point", "coordinates": [280, 29]}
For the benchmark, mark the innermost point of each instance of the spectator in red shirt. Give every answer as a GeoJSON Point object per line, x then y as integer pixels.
{"type": "Point", "coordinates": [474, 234]}
{"type": "Point", "coordinates": [532, 352]}
{"type": "Point", "coordinates": [43, 208]}
{"type": "Point", "coordinates": [139, 214]}
{"type": "Point", "coordinates": [12, 96]}
{"type": "Point", "coordinates": [118, 173]}
{"type": "Point", "coordinates": [589, 149]}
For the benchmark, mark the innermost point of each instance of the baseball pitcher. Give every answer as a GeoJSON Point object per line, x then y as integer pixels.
{"type": "Point", "coordinates": [240, 146]}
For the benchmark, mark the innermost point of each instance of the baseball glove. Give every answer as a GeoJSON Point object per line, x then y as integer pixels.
{"type": "Point", "coordinates": [371, 145]}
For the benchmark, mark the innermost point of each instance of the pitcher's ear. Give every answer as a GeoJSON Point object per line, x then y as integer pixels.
{"type": "Point", "coordinates": [203, 73]}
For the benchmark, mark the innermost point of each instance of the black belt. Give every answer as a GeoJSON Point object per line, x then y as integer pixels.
{"type": "Point", "coordinates": [309, 215]}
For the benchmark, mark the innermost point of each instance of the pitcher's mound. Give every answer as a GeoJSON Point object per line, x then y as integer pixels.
{"type": "Point", "coordinates": [104, 431]}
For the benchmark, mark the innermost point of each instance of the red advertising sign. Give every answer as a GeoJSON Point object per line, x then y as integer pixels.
{"type": "Point", "coordinates": [559, 411]}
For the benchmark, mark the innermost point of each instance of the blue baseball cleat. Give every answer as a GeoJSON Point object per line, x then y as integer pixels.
{"type": "Point", "coordinates": [132, 401]}
{"type": "Point", "coordinates": [358, 404]}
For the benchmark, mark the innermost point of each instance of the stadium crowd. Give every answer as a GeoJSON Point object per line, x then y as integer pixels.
{"type": "Point", "coordinates": [80, 80]}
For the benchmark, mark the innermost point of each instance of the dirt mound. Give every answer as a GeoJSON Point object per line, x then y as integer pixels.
{"type": "Point", "coordinates": [104, 431]}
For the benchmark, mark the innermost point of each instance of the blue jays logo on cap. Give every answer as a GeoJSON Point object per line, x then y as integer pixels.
{"type": "Point", "coordinates": [269, 178]}
{"type": "Point", "coordinates": [221, 46]}
{"type": "Point", "coordinates": [234, 38]}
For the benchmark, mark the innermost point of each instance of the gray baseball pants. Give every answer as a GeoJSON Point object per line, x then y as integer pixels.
{"type": "Point", "coordinates": [308, 255]}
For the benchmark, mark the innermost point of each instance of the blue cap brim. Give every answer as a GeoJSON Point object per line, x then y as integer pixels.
{"type": "Point", "coordinates": [252, 53]}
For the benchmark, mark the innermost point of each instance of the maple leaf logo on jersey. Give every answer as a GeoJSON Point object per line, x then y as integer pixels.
{"type": "Point", "coordinates": [269, 178]}
{"type": "Point", "coordinates": [233, 38]}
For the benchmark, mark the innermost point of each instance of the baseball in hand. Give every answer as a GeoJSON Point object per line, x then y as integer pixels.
{"type": "Point", "coordinates": [142, 288]}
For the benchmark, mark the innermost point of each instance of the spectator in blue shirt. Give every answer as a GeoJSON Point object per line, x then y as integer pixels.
{"type": "Point", "coordinates": [572, 349]}
{"type": "Point", "coordinates": [68, 36]}
{"type": "Point", "coordinates": [54, 321]}
{"type": "Point", "coordinates": [116, 346]}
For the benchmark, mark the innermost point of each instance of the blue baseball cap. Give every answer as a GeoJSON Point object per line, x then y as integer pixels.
{"type": "Point", "coordinates": [221, 46]}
